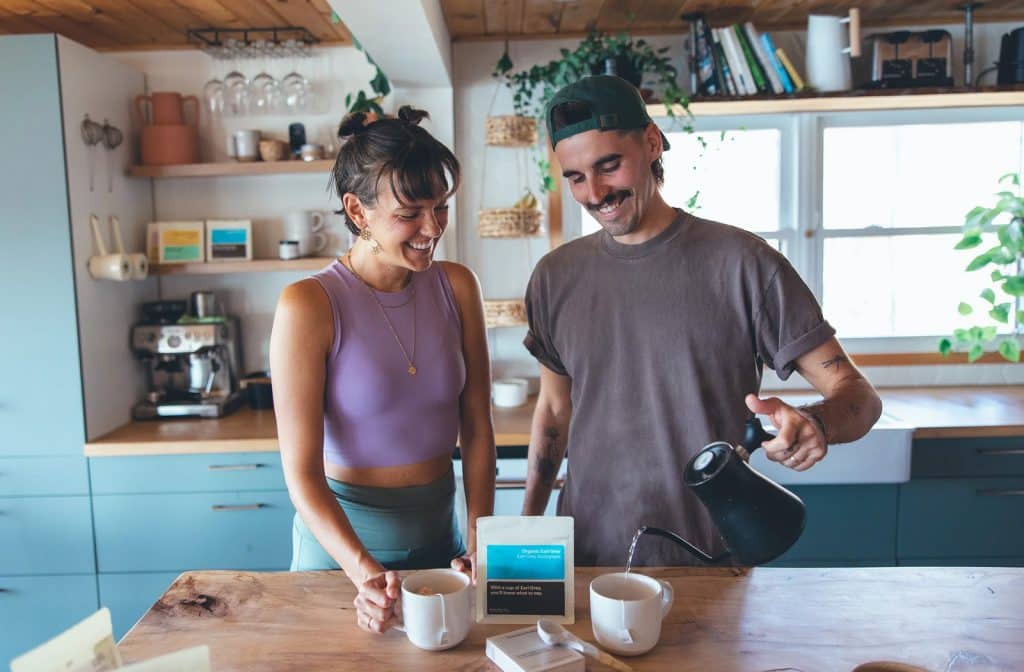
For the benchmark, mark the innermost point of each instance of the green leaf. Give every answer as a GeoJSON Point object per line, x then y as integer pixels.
{"type": "Point", "coordinates": [988, 295]}
{"type": "Point", "coordinates": [691, 203]}
{"type": "Point", "coordinates": [961, 335]}
{"type": "Point", "coordinates": [965, 308]}
{"type": "Point", "coordinates": [997, 275]}
{"type": "Point", "coordinates": [1013, 178]}
{"type": "Point", "coordinates": [972, 218]}
{"type": "Point", "coordinates": [1001, 313]}
{"type": "Point", "coordinates": [976, 333]}
{"type": "Point", "coordinates": [504, 63]}
{"type": "Point", "coordinates": [1020, 316]}
{"type": "Point", "coordinates": [979, 261]}
{"type": "Point", "coordinates": [1010, 350]}
{"type": "Point", "coordinates": [968, 241]}
{"type": "Point", "coordinates": [976, 352]}
{"type": "Point", "coordinates": [988, 333]}
{"type": "Point", "coordinates": [1014, 286]}
{"type": "Point", "coordinates": [945, 347]}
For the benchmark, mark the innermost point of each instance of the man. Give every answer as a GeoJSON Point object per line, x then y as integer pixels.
{"type": "Point", "coordinates": [652, 334]}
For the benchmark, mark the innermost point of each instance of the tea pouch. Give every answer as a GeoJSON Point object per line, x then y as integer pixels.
{"type": "Point", "coordinates": [88, 646]}
{"type": "Point", "coordinates": [525, 569]}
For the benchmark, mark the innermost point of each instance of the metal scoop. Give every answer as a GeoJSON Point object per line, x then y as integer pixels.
{"type": "Point", "coordinates": [553, 634]}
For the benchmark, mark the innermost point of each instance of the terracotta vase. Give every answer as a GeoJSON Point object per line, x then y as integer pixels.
{"type": "Point", "coordinates": [168, 139]}
{"type": "Point", "coordinates": [166, 107]}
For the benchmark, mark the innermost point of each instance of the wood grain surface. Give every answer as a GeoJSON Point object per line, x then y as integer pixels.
{"type": "Point", "coordinates": [723, 620]}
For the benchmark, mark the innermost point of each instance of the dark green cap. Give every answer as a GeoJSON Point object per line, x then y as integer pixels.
{"type": "Point", "coordinates": [607, 103]}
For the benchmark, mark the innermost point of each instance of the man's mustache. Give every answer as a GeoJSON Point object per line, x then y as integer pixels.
{"type": "Point", "coordinates": [613, 197]}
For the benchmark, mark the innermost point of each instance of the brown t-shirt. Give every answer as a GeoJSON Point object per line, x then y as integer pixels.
{"type": "Point", "coordinates": [662, 341]}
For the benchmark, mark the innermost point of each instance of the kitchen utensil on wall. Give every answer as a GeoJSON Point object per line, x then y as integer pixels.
{"type": "Point", "coordinates": [92, 135]}
{"type": "Point", "coordinates": [244, 145]}
{"type": "Point", "coordinates": [106, 265]}
{"type": "Point", "coordinates": [758, 519]}
{"type": "Point", "coordinates": [112, 139]}
{"type": "Point", "coordinates": [828, 63]}
{"type": "Point", "coordinates": [168, 139]}
{"type": "Point", "coordinates": [306, 227]}
{"type": "Point", "coordinates": [139, 262]}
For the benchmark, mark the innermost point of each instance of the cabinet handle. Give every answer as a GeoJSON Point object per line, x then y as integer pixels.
{"type": "Point", "coordinates": [1001, 492]}
{"type": "Point", "coordinates": [5, 590]}
{"type": "Point", "coordinates": [235, 467]}
{"type": "Point", "coordinates": [1000, 451]}
{"type": "Point", "coordinates": [237, 507]}
{"type": "Point", "coordinates": [519, 485]}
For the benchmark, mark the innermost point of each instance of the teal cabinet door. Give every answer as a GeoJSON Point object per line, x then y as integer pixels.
{"type": "Point", "coordinates": [847, 525]}
{"type": "Point", "coordinates": [203, 530]}
{"type": "Point", "coordinates": [129, 596]}
{"type": "Point", "coordinates": [962, 518]}
{"type": "Point", "coordinates": [21, 476]}
{"type": "Point", "coordinates": [35, 608]}
{"type": "Point", "coordinates": [46, 535]}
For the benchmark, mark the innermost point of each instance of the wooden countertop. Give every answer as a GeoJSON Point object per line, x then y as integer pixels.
{"type": "Point", "coordinates": [733, 620]}
{"type": "Point", "coordinates": [935, 412]}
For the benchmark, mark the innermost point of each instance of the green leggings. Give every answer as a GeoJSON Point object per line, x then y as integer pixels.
{"type": "Point", "coordinates": [402, 528]}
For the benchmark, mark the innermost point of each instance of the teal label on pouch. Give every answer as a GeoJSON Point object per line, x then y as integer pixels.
{"type": "Point", "coordinates": [228, 236]}
{"type": "Point", "coordinates": [536, 562]}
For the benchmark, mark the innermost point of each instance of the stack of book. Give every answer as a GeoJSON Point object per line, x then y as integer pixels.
{"type": "Point", "coordinates": [737, 60]}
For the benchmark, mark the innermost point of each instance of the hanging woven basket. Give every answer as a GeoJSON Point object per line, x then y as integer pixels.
{"type": "Point", "coordinates": [504, 312]}
{"type": "Point", "coordinates": [511, 131]}
{"type": "Point", "coordinates": [509, 222]}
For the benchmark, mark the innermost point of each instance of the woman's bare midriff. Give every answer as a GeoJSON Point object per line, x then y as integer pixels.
{"type": "Point", "coordinates": [400, 476]}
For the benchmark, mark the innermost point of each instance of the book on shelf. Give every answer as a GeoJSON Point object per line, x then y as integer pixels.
{"type": "Point", "coordinates": [723, 65]}
{"type": "Point", "coordinates": [760, 81]}
{"type": "Point", "coordinates": [769, 49]}
{"type": "Point", "coordinates": [762, 57]}
{"type": "Point", "coordinates": [794, 75]}
{"type": "Point", "coordinates": [738, 64]}
{"type": "Point", "coordinates": [708, 77]}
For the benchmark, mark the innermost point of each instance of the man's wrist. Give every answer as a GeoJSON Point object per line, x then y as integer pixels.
{"type": "Point", "coordinates": [815, 415]}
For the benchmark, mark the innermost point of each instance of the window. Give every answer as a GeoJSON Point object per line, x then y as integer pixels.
{"type": "Point", "coordinates": [867, 206]}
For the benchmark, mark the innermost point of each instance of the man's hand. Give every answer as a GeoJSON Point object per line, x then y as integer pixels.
{"type": "Point", "coordinates": [800, 442]}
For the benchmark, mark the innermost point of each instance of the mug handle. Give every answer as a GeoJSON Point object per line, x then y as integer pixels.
{"type": "Point", "coordinates": [668, 596]}
{"type": "Point", "coordinates": [138, 108]}
{"type": "Point", "coordinates": [318, 220]}
{"type": "Point", "coordinates": [319, 241]}
{"type": "Point", "coordinates": [442, 637]}
{"type": "Point", "coordinates": [193, 99]}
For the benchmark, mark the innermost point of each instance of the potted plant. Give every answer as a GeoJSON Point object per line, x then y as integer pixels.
{"type": "Point", "coordinates": [360, 102]}
{"type": "Point", "coordinates": [1003, 299]}
{"type": "Point", "coordinates": [598, 53]}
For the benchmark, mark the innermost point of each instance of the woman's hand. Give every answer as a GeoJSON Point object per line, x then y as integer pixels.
{"type": "Point", "coordinates": [377, 604]}
{"type": "Point", "coordinates": [466, 564]}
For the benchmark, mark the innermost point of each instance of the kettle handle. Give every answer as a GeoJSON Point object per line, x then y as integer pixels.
{"type": "Point", "coordinates": [754, 435]}
{"type": "Point", "coordinates": [140, 109]}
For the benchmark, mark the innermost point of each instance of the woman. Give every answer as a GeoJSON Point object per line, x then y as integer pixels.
{"type": "Point", "coordinates": [379, 365]}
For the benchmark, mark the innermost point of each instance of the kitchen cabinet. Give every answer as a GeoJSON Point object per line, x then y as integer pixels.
{"type": "Point", "coordinates": [68, 372]}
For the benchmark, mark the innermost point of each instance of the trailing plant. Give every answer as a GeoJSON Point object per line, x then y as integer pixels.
{"type": "Point", "coordinates": [1003, 299]}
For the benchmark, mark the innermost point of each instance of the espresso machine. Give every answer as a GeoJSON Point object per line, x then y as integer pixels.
{"type": "Point", "coordinates": [192, 361]}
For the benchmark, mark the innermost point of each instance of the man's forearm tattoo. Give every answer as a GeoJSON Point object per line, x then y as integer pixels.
{"type": "Point", "coordinates": [545, 465]}
{"type": "Point", "coordinates": [835, 362]}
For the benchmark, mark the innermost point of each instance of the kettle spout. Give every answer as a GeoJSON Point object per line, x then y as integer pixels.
{"type": "Point", "coordinates": [690, 548]}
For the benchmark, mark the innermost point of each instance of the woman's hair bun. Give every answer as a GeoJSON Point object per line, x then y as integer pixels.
{"type": "Point", "coordinates": [411, 115]}
{"type": "Point", "coordinates": [352, 124]}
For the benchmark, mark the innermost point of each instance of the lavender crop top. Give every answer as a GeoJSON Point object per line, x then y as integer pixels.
{"type": "Point", "coordinates": [375, 413]}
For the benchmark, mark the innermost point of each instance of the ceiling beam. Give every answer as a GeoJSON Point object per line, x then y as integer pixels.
{"type": "Point", "coordinates": [407, 38]}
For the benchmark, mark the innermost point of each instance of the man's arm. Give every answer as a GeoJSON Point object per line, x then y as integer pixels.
{"type": "Point", "coordinates": [548, 435]}
{"type": "Point", "coordinates": [849, 409]}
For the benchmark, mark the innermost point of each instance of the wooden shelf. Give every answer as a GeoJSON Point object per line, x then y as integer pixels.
{"type": "Point", "coordinates": [849, 102]}
{"type": "Point", "coordinates": [255, 266]}
{"type": "Point", "coordinates": [233, 168]}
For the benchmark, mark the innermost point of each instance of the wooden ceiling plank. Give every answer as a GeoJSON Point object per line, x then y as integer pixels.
{"type": "Point", "coordinates": [581, 16]}
{"type": "Point", "coordinates": [221, 13]}
{"type": "Point", "coordinates": [464, 17]}
{"type": "Point", "coordinates": [659, 14]}
{"type": "Point", "coordinates": [301, 13]}
{"type": "Point", "coordinates": [172, 14]}
{"type": "Point", "coordinates": [52, 21]}
{"type": "Point", "coordinates": [339, 27]}
{"type": "Point", "coordinates": [92, 19]}
{"type": "Point", "coordinates": [542, 16]}
{"type": "Point", "coordinates": [142, 23]}
{"type": "Point", "coordinates": [18, 24]}
{"type": "Point", "coordinates": [503, 17]}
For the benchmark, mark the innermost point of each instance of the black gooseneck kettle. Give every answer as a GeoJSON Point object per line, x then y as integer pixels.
{"type": "Point", "coordinates": [758, 518]}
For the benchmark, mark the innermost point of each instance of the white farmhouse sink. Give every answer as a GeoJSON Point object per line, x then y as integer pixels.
{"type": "Point", "coordinates": [881, 456]}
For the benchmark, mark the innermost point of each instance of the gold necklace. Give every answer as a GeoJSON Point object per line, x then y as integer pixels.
{"type": "Point", "coordinates": [409, 360]}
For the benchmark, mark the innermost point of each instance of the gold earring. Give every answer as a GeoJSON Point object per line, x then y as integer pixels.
{"type": "Point", "coordinates": [374, 245]}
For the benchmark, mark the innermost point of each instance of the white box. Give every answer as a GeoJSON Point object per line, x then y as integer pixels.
{"type": "Point", "coordinates": [228, 240]}
{"type": "Point", "coordinates": [524, 651]}
{"type": "Point", "coordinates": [178, 242]}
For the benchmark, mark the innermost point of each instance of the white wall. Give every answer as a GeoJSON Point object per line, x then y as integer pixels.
{"type": "Point", "coordinates": [266, 199]}
{"type": "Point", "coordinates": [497, 179]}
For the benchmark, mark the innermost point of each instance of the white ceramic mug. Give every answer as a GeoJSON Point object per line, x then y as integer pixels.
{"type": "Point", "coordinates": [244, 145]}
{"type": "Point", "coordinates": [441, 619]}
{"type": "Point", "coordinates": [509, 392]}
{"type": "Point", "coordinates": [626, 614]}
{"type": "Point", "coordinates": [306, 226]}
{"type": "Point", "coordinates": [828, 62]}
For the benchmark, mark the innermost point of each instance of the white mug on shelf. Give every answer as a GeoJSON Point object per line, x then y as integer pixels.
{"type": "Point", "coordinates": [105, 265]}
{"type": "Point", "coordinates": [306, 226]}
{"type": "Point", "coordinates": [244, 145]}
{"type": "Point", "coordinates": [436, 608]}
{"type": "Point", "coordinates": [828, 62]}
